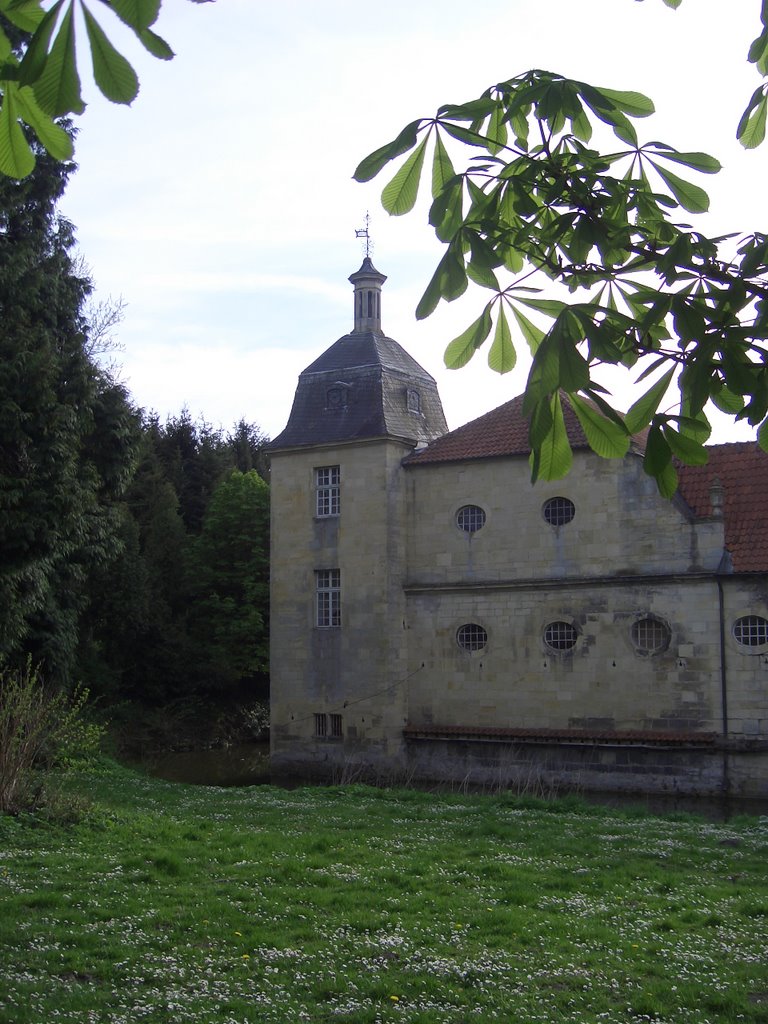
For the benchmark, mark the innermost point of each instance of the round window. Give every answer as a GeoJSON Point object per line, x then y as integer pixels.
{"type": "Point", "coordinates": [471, 637]}
{"type": "Point", "coordinates": [650, 636]}
{"type": "Point", "coordinates": [558, 511]}
{"type": "Point", "coordinates": [751, 631]}
{"type": "Point", "coordinates": [470, 518]}
{"type": "Point", "coordinates": [560, 636]}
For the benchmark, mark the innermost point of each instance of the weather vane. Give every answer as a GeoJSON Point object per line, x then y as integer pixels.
{"type": "Point", "coordinates": [365, 233]}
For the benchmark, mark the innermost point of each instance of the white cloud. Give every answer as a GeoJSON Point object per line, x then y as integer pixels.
{"type": "Point", "coordinates": [221, 206]}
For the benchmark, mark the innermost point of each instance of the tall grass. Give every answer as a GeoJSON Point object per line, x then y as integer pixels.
{"type": "Point", "coordinates": [42, 730]}
{"type": "Point", "coordinates": [173, 903]}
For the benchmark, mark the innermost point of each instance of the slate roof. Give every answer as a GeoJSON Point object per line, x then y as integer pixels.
{"type": "Point", "coordinates": [361, 349]}
{"type": "Point", "coordinates": [374, 373]}
{"type": "Point", "coordinates": [742, 470]}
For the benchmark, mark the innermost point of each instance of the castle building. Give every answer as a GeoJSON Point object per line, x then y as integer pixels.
{"type": "Point", "coordinates": [436, 616]}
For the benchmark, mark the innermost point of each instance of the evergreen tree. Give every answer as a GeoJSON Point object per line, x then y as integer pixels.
{"type": "Point", "coordinates": [195, 457]}
{"type": "Point", "coordinates": [231, 581]}
{"type": "Point", "coordinates": [183, 610]}
{"type": "Point", "coordinates": [248, 446]}
{"type": "Point", "coordinates": [66, 432]}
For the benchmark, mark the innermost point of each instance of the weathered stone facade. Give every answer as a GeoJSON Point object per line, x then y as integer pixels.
{"type": "Point", "coordinates": [435, 615]}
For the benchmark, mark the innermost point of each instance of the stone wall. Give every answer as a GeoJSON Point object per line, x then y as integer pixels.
{"type": "Point", "coordinates": [410, 578]}
{"type": "Point", "coordinates": [356, 670]}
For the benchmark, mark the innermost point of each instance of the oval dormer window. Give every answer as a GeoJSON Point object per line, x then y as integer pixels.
{"type": "Point", "coordinates": [336, 397]}
{"type": "Point", "coordinates": [413, 400]}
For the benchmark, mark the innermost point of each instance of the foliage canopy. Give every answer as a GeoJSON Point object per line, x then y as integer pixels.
{"type": "Point", "coordinates": [536, 205]}
{"type": "Point", "coordinates": [536, 201]}
{"type": "Point", "coordinates": [42, 82]}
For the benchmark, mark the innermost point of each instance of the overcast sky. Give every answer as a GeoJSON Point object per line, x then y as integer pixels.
{"type": "Point", "coordinates": [221, 206]}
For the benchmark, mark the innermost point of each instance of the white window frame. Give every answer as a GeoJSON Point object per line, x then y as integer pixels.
{"type": "Point", "coordinates": [327, 598]}
{"type": "Point", "coordinates": [327, 491]}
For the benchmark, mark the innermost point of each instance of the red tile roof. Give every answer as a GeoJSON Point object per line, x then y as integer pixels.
{"type": "Point", "coordinates": [504, 431]}
{"type": "Point", "coordinates": [742, 470]}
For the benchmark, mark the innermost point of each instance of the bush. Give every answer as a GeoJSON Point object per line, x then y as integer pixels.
{"type": "Point", "coordinates": [43, 732]}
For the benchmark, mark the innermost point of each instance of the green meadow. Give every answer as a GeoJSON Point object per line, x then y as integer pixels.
{"type": "Point", "coordinates": [170, 903]}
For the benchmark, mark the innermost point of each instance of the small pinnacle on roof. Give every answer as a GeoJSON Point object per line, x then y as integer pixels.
{"type": "Point", "coordinates": [366, 234]}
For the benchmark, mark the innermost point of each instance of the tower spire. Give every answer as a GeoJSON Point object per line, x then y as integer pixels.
{"type": "Point", "coordinates": [366, 234]}
{"type": "Point", "coordinates": [367, 282]}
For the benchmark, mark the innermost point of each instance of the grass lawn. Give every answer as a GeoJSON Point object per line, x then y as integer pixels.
{"type": "Point", "coordinates": [171, 903]}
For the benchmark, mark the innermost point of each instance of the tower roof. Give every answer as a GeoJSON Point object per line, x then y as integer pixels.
{"type": "Point", "coordinates": [365, 385]}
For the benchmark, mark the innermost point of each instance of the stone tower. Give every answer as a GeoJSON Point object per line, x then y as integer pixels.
{"type": "Point", "coordinates": [338, 653]}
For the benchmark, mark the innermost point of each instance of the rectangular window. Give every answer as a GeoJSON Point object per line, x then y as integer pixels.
{"type": "Point", "coordinates": [337, 727]}
{"type": "Point", "coordinates": [328, 491]}
{"type": "Point", "coordinates": [321, 725]}
{"type": "Point", "coordinates": [328, 591]}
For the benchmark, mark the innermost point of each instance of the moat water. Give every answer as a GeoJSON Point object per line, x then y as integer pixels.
{"type": "Point", "coordinates": [248, 765]}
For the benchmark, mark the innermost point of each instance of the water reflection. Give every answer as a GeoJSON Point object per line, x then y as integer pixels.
{"type": "Point", "coordinates": [240, 765]}
{"type": "Point", "coordinates": [248, 765]}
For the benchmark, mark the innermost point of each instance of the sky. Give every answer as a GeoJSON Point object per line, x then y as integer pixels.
{"type": "Point", "coordinates": [220, 207]}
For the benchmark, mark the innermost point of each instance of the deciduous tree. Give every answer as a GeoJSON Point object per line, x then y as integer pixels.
{"type": "Point", "coordinates": [39, 75]}
{"type": "Point", "coordinates": [592, 237]}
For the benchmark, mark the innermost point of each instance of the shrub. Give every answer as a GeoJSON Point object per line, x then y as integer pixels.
{"type": "Point", "coordinates": [43, 732]}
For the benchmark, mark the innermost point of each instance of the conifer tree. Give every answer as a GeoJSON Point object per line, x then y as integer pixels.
{"type": "Point", "coordinates": [66, 431]}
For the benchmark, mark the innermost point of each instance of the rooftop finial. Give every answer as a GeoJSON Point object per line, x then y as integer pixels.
{"type": "Point", "coordinates": [365, 233]}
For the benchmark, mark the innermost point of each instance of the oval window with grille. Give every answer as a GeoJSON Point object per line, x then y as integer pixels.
{"type": "Point", "coordinates": [470, 518]}
{"type": "Point", "coordinates": [560, 636]}
{"type": "Point", "coordinates": [751, 631]}
{"type": "Point", "coordinates": [558, 511]}
{"type": "Point", "coordinates": [650, 636]}
{"type": "Point", "coordinates": [471, 637]}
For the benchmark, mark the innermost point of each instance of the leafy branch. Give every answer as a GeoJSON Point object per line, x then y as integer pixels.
{"type": "Point", "coordinates": [536, 206]}
{"type": "Point", "coordinates": [39, 78]}
{"type": "Point", "coordinates": [751, 128]}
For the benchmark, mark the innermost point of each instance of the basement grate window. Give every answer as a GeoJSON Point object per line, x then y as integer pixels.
{"type": "Point", "coordinates": [321, 725]}
{"type": "Point", "coordinates": [337, 727]}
